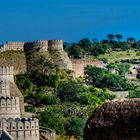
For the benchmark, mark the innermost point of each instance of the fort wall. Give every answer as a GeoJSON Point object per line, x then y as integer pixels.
{"type": "Point", "coordinates": [78, 66]}
{"type": "Point", "coordinates": [16, 46]}
{"type": "Point", "coordinates": [39, 45]}
{"type": "Point", "coordinates": [42, 45]}
{"type": "Point", "coordinates": [4, 88]}
{"type": "Point", "coordinates": [6, 136]}
{"type": "Point", "coordinates": [131, 76]}
{"type": "Point", "coordinates": [9, 107]}
{"type": "Point", "coordinates": [21, 129]}
{"type": "Point", "coordinates": [7, 73]}
{"type": "Point", "coordinates": [15, 92]}
{"type": "Point", "coordinates": [55, 45]}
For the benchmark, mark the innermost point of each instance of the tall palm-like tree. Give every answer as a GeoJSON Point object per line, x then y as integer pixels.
{"type": "Point", "coordinates": [95, 40]}
{"type": "Point", "coordinates": [111, 37]}
{"type": "Point", "coordinates": [118, 37]}
{"type": "Point", "coordinates": [131, 40]}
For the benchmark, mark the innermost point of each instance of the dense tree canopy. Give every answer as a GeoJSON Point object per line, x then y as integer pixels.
{"type": "Point", "coordinates": [102, 78]}
{"type": "Point", "coordinates": [95, 47]}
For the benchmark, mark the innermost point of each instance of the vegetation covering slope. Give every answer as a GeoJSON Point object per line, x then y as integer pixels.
{"type": "Point", "coordinates": [64, 103]}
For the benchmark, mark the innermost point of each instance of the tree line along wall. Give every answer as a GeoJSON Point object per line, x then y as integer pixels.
{"type": "Point", "coordinates": [78, 66]}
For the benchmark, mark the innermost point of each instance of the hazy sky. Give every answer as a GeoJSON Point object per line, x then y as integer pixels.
{"type": "Point", "coordinates": [71, 20]}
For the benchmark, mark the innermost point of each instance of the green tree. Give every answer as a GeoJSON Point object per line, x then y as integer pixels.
{"type": "Point", "coordinates": [89, 99]}
{"type": "Point", "coordinates": [68, 91]}
{"type": "Point", "coordinates": [102, 78]}
{"type": "Point", "coordinates": [97, 49]}
{"type": "Point", "coordinates": [76, 51]}
{"type": "Point", "coordinates": [43, 72]}
{"type": "Point", "coordinates": [94, 75]}
{"type": "Point", "coordinates": [24, 83]}
{"type": "Point", "coordinates": [123, 69]}
{"type": "Point", "coordinates": [95, 41]}
{"type": "Point", "coordinates": [74, 127]}
{"type": "Point", "coordinates": [119, 37]}
{"type": "Point", "coordinates": [131, 39]}
{"type": "Point", "coordinates": [111, 66]}
{"type": "Point", "coordinates": [45, 95]}
{"type": "Point", "coordinates": [85, 43]}
{"type": "Point", "coordinates": [54, 119]}
{"type": "Point", "coordinates": [111, 37]}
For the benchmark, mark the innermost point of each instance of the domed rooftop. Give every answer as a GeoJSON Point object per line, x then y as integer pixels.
{"type": "Point", "coordinates": [119, 120]}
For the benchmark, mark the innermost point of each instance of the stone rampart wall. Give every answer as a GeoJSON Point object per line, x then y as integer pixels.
{"type": "Point", "coordinates": [21, 129]}
{"type": "Point", "coordinates": [78, 66]}
{"type": "Point", "coordinates": [9, 107]}
{"type": "Point", "coordinates": [131, 76]}
{"type": "Point", "coordinates": [7, 73]}
{"type": "Point", "coordinates": [4, 88]}
{"type": "Point", "coordinates": [42, 45]}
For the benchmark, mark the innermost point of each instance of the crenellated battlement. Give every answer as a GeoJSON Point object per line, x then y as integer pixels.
{"type": "Point", "coordinates": [7, 73]}
{"type": "Point", "coordinates": [55, 41]}
{"type": "Point", "coordinates": [41, 42]}
{"type": "Point", "coordinates": [4, 88]}
{"type": "Point", "coordinates": [55, 44]}
{"type": "Point", "coordinates": [19, 123]}
{"type": "Point", "coordinates": [20, 44]}
{"type": "Point", "coordinates": [9, 107]}
{"type": "Point", "coordinates": [21, 129]}
{"type": "Point", "coordinates": [5, 70]}
{"type": "Point", "coordinates": [41, 45]}
{"type": "Point", "coordinates": [10, 45]}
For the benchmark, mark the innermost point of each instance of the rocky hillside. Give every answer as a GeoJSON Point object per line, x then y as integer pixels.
{"type": "Point", "coordinates": [14, 58]}
{"type": "Point", "coordinates": [23, 61]}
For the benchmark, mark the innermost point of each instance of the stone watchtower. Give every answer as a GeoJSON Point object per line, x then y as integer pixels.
{"type": "Point", "coordinates": [7, 73]}
{"type": "Point", "coordinates": [11, 108]}
{"type": "Point", "coordinates": [55, 45]}
{"type": "Point", "coordinates": [41, 45]}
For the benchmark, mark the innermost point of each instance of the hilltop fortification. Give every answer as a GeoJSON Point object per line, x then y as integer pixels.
{"type": "Point", "coordinates": [15, 53]}
{"type": "Point", "coordinates": [11, 108]}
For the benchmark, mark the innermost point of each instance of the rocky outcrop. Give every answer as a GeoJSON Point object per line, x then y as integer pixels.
{"type": "Point", "coordinates": [47, 134]}
{"type": "Point", "coordinates": [119, 120]}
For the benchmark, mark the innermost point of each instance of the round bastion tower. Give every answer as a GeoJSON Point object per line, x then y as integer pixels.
{"type": "Point", "coordinates": [41, 45]}
{"type": "Point", "coordinates": [55, 45]}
